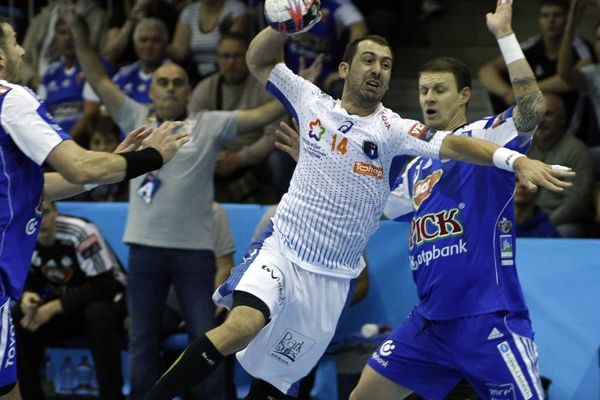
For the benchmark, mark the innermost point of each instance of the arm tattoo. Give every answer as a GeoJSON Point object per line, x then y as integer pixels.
{"type": "Point", "coordinates": [527, 96]}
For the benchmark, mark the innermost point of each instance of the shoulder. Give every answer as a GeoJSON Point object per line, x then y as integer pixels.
{"type": "Point", "coordinates": [235, 5]}
{"type": "Point", "coordinates": [582, 48]}
{"type": "Point", "coordinates": [20, 96]}
{"type": "Point", "coordinates": [190, 11]}
{"type": "Point", "coordinates": [74, 226]}
{"type": "Point", "coordinates": [53, 69]}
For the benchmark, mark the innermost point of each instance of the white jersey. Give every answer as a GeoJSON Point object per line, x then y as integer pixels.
{"type": "Point", "coordinates": [341, 182]}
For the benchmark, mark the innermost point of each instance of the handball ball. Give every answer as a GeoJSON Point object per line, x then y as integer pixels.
{"type": "Point", "coordinates": [292, 16]}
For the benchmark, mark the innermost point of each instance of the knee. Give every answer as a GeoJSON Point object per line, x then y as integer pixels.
{"type": "Point", "coordinates": [241, 326]}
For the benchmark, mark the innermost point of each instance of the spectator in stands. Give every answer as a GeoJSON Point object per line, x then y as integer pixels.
{"type": "Point", "coordinates": [585, 78]}
{"type": "Point", "coordinates": [170, 220]}
{"type": "Point", "coordinates": [62, 85]}
{"type": "Point", "coordinates": [541, 52]}
{"type": "Point", "coordinates": [150, 39]}
{"type": "Point", "coordinates": [75, 287]}
{"type": "Point", "coordinates": [199, 28]}
{"type": "Point", "coordinates": [238, 178]}
{"type": "Point", "coordinates": [104, 135]}
{"type": "Point", "coordinates": [39, 46]}
{"type": "Point", "coordinates": [341, 23]}
{"type": "Point", "coordinates": [529, 219]}
{"type": "Point", "coordinates": [552, 145]}
{"type": "Point", "coordinates": [119, 43]}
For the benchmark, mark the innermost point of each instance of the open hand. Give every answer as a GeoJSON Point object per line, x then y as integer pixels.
{"type": "Point", "coordinates": [133, 140]}
{"type": "Point", "coordinates": [499, 22]}
{"type": "Point", "coordinates": [167, 139]}
{"type": "Point", "coordinates": [533, 173]}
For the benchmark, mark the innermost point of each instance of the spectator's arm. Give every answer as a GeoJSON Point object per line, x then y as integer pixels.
{"type": "Point", "coordinates": [260, 116]}
{"type": "Point", "coordinates": [179, 47]}
{"type": "Point", "coordinates": [565, 68]}
{"type": "Point", "coordinates": [116, 40]}
{"type": "Point", "coordinates": [110, 95]}
{"type": "Point", "coordinates": [224, 266]}
{"type": "Point", "coordinates": [491, 77]}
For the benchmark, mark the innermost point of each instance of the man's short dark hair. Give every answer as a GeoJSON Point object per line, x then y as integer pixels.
{"type": "Point", "coordinates": [351, 48]}
{"type": "Point", "coordinates": [237, 36]}
{"type": "Point", "coordinates": [459, 69]}
{"type": "Point", "coordinates": [564, 4]}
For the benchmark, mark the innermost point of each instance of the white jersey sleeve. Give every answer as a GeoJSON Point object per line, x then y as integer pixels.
{"type": "Point", "coordinates": [29, 124]}
{"type": "Point", "coordinates": [290, 89]}
{"type": "Point", "coordinates": [415, 138]}
{"type": "Point", "coordinates": [400, 201]}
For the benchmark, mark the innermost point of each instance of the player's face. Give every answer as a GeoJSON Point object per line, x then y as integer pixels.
{"type": "Point", "coordinates": [231, 56]}
{"type": "Point", "coordinates": [64, 40]}
{"type": "Point", "coordinates": [11, 54]}
{"type": "Point", "coordinates": [150, 46]}
{"type": "Point", "coordinates": [170, 91]}
{"type": "Point", "coordinates": [552, 20]}
{"type": "Point", "coordinates": [48, 225]}
{"type": "Point", "coordinates": [368, 77]}
{"type": "Point", "coordinates": [103, 142]}
{"type": "Point", "coordinates": [442, 104]}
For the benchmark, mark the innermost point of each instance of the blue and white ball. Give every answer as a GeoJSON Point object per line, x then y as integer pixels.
{"type": "Point", "coordinates": [291, 16]}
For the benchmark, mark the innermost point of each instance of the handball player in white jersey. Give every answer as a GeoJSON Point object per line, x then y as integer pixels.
{"type": "Point", "coordinates": [287, 295]}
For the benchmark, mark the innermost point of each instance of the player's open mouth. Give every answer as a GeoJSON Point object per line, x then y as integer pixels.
{"type": "Point", "coordinates": [431, 113]}
{"type": "Point", "coordinates": [373, 83]}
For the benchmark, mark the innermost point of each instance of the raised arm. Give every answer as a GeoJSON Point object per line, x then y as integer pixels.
{"type": "Point", "coordinates": [530, 107]}
{"type": "Point", "coordinates": [565, 68]}
{"type": "Point", "coordinates": [109, 93]}
{"type": "Point", "coordinates": [265, 51]}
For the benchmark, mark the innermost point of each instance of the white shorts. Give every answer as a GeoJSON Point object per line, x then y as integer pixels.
{"type": "Point", "coordinates": [305, 308]}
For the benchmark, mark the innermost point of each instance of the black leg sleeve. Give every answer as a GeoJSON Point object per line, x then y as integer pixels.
{"type": "Point", "coordinates": [197, 362]}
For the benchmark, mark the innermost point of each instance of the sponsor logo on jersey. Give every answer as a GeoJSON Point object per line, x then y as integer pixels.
{"type": "Point", "coordinates": [433, 226]}
{"type": "Point", "coordinates": [276, 275]}
{"type": "Point", "coordinates": [11, 350]}
{"type": "Point", "coordinates": [385, 350]}
{"type": "Point", "coordinates": [31, 226]}
{"type": "Point", "coordinates": [515, 369]}
{"type": "Point", "coordinates": [502, 392]}
{"type": "Point", "coordinates": [346, 126]}
{"type": "Point", "coordinates": [291, 346]}
{"type": "Point", "coordinates": [500, 119]}
{"type": "Point", "coordinates": [422, 189]}
{"type": "Point", "coordinates": [495, 334]}
{"type": "Point", "coordinates": [56, 274]}
{"type": "Point", "coordinates": [370, 149]}
{"type": "Point", "coordinates": [427, 256]}
{"type": "Point", "coordinates": [316, 130]}
{"type": "Point", "coordinates": [385, 120]}
{"type": "Point", "coordinates": [505, 225]}
{"type": "Point", "coordinates": [506, 249]}
{"type": "Point", "coordinates": [367, 169]}
{"type": "Point", "coordinates": [423, 132]}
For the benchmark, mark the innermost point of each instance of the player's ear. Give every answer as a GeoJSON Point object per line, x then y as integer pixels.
{"type": "Point", "coordinates": [465, 95]}
{"type": "Point", "coordinates": [343, 69]}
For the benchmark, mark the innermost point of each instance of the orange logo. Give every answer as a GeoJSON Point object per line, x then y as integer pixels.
{"type": "Point", "coordinates": [423, 188]}
{"type": "Point", "coordinates": [367, 169]}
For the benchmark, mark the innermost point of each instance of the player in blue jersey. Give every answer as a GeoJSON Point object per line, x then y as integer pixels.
{"type": "Point", "coordinates": [30, 137]}
{"type": "Point", "coordinates": [287, 295]}
{"type": "Point", "coordinates": [472, 321]}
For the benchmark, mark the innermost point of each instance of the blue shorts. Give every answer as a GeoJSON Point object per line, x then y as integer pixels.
{"type": "Point", "coordinates": [495, 352]}
{"type": "Point", "coordinates": [8, 346]}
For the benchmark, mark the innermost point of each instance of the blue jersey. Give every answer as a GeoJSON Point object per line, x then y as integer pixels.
{"type": "Point", "coordinates": [27, 135]}
{"type": "Point", "coordinates": [134, 83]}
{"type": "Point", "coordinates": [462, 231]}
{"type": "Point", "coordinates": [62, 90]}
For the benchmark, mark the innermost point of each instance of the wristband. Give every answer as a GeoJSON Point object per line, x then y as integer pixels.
{"type": "Point", "coordinates": [90, 186]}
{"type": "Point", "coordinates": [142, 161]}
{"type": "Point", "coordinates": [504, 158]}
{"type": "Point", "coordinates": [510, 49]}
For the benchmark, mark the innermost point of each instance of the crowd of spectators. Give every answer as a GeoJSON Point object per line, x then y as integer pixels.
{"type": "Point", "coordinates": [209, 39]}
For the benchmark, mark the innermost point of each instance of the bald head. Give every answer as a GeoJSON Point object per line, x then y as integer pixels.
{"type": "Point", "coordinates": [170, 91]}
